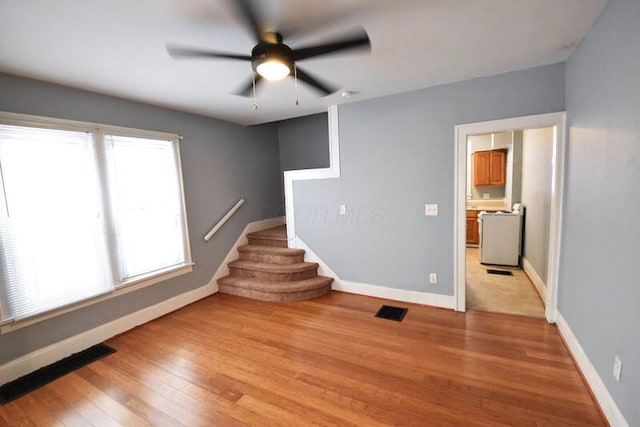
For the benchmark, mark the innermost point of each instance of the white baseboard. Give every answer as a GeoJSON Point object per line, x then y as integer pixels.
{"type": "Point", "coordinates": [310, 256]}
{"type": "Point", "coordinates": [54, 352]}
{"type": "Point", "coordinates": [599, 389]}
{"type": "Point", "coordinates": [443, 301]}
{"type": "Point", "coordinates": [537, 281]}
{"type": "Point", "coordinates": [223, 269]}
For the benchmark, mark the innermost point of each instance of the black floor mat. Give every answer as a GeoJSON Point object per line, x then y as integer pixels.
{"type": "Point", "coordinates": [392, 313]}
{"type": "Point", "coordinates": [500, 272]}
{"type": "Point", "coordinates": [44, 376]}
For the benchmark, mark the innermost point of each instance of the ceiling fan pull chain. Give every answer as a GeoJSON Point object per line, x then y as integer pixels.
{"type": "Point", "coordinates": [295, 79]}
{"type": "Point", "coordinates": [255, 101]}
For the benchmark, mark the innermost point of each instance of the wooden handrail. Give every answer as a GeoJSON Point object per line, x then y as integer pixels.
{"type": "Point", "coordinates": [223, 220]}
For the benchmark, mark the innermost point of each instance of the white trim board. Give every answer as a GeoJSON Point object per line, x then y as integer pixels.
{"type": "Point", "coordinates": [535, 278]}
{"type": "Point", "coordinates": [443, 301]}
{"type": "Point", "coordinates": [333, 171]}
{"type": "Point", "coordinates": [252, 227]}
{"type": "Point", "coordinates": [323, 268]}
{"type": "Point", "coordinates": [54, 352]}
{"type": "Point", "coordinates": [558, 122]}
{"type": "Point", "coordinates": [404, 295]}
{"type": "Point", "coordinates": [599, 389]}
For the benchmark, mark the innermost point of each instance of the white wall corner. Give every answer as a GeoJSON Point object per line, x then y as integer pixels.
{"type": "Point", "coordinates": [599, 389]}
{"type": "Point", "coordinates": [535, 278]}
{"type": "Point", "coordinates": [333, 171]}
{"type": "Point", "coordinates": [57, 351]}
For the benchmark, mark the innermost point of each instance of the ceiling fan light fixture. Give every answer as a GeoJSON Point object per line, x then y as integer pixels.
{"type": "Point", "coordinates": [273, 69]}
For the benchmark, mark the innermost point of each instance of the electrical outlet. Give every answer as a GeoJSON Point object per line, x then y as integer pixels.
{"type": "Point", "coordinates": [433, 278]}
{"type": "Point", "coordinates": [343, 210]}
{"type": "Point", "coordinates": [431, 210]}
{"type": "Point", "coordinates": [486, 196]}
{"type": "Point", "coordinates": [617, 368]}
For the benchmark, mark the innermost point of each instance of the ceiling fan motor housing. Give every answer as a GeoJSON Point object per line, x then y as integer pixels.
{"type": "Point", "coordinates": [265, 51]}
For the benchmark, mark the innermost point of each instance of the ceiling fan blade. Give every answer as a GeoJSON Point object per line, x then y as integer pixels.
{"type": "Point", "coordinates": [246, 90]}
{"type": "Point", "coordinates": [249, 13]}
{"type": "Point", "coordinates": [187, 52]}
{"type": "Point", "coordinates": [322, 86]}
{"type": "Point", "coordinates": [357, 40]}
{"type": "Point", "coordinates": [322, 21]}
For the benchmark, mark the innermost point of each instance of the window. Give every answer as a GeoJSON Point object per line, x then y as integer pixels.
{"type": "Point", "coordinates": [85, 212]}
{"type": "Point", "coordinates": [146, 203]}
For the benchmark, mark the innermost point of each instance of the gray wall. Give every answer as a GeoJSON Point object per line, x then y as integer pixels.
{"type": "Point", "coordinates": [599, 280]}
{"type": "Point", "coordinates": [397, 153]}
{"type": "Point", "coordinates": [304, 142]}
{"type": "Point", "coordinates": [537, 151]}
{"type": "Point", "coordinates": [221, 162]}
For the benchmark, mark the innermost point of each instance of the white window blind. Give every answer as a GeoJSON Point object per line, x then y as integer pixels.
{"type": "Point", "coordinates": [146, 200]}
{"type": "Point", "coordinates": [52, 230]}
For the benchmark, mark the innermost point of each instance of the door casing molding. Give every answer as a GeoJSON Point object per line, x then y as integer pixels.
{"type": "Point", "coordinates": [558, 122]}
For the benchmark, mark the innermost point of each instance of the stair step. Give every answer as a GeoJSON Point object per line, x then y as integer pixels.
{"type": "Point", "coordinates": [276, 287]}
{"type": "Point", "coordinates": [271, 254]}
{"type": "Point", "coordinates": [276, 291]}
{"type": "Point", "coordinates": [269, 270]}
{"type": "Point", "coordinates": [276, 236]}
{"type": "Point", "coordinates": [273, 272]}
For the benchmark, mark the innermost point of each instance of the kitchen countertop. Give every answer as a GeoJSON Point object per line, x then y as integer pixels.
{"type": "Point", "coordinates": [486, 205]}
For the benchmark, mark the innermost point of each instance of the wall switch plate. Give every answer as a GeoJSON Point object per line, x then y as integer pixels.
{"type": "Point", "coordinates": [433, 278]}
{"type": "Point", "coordinates": [486, 196]}
{"type": "Point", "coordinates": [617, 368]}
{"type": "Point", "coordinates": [431, 210]}
{"type": "Point", "coordinates": [343, 209]}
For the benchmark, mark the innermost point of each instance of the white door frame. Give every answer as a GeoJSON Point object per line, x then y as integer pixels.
{"type": "Point", "coordinates": [462, 132]}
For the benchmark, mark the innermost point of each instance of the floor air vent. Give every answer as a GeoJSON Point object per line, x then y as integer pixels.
{"type": "Point", "coordinates": [500, 272]}
{"type": "Point", "coordinates": [44, 376]}
{"type": "Point", "coordinates": [392, 313]}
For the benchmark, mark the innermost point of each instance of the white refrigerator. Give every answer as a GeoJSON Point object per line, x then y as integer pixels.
{"type": "Point", "coordinates": [501, 237]}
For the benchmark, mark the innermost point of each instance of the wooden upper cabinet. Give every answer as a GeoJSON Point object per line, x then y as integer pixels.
{"type": "Point", "coordinates": [481, 166]}
{"type": "Point", "coordinates": [498, 166]}
{"type": "Point", "coordinates": [489, 167]}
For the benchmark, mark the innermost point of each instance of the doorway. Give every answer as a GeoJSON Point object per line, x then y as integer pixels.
{"type": "Point", "coordinates": [467, 257]}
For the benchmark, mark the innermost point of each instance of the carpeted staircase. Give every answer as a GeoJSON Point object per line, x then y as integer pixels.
{"type": "Point", "coordinates": [268, 270]}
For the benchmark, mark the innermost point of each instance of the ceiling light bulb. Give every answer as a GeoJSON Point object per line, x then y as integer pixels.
{"type": "Point", "coordinates": [273, 70]}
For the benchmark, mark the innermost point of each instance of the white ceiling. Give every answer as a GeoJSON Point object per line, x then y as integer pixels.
{"type": "Point", "coordinates": [117, 47]}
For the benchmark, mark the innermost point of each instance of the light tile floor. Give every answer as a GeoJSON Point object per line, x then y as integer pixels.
{"type": "Point", "coordinates": [501, 294]}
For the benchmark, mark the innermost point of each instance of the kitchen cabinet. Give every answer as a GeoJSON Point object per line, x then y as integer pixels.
{"type": "Point", "coordinates": [473, 229]}
{"type": "Point", "coordinates": [489, 167]}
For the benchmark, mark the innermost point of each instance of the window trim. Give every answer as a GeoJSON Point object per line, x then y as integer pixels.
{"type": "Point", "coordinates": [121, 288]}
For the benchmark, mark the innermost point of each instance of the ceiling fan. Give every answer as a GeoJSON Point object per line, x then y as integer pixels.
{"type": "Point", "coordinates": [271, 58]}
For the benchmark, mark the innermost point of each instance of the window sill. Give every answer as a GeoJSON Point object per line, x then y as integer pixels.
{"type": "Point", "coordinates": [124, 288]}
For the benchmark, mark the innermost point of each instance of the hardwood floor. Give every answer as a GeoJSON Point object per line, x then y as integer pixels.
{"type": "Point", "coordinates": [230, 361]}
